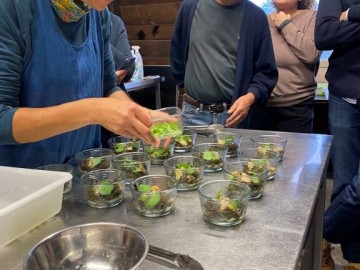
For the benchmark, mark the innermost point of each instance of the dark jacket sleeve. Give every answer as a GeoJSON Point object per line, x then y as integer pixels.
{"type": "Point", "coordinates": [265, 73]}
{"type": "Point", "coordinates": [256, 70]}
{"type": "Point", "coordinates": [354, 13]}
{"type": "Point", "coordinates": [177, 61]}
{"type": "Point", "coordinates": [330, 32]}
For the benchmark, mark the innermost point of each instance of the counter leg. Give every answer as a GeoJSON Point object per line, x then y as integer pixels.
{"type": "Point", "coordinates": [311, 258]}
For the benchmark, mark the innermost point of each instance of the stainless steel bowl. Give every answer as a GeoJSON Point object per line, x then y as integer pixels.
{"type": "Point", "coordinates": [90, 246]}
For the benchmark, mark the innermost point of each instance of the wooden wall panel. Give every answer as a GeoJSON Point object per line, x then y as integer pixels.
{"type": "Point", "coordinates": [149, 13]}
{"type": "Point", "coordinates": [153, 61]}
{"type": "Point", "coordinates": [153, 48]}
{"type": "Point", "coordinates": [150, 24]}
{"type": "Point", "coordinates": [142, 2]}
{"type": "Point", "coordinates": [150, 32]}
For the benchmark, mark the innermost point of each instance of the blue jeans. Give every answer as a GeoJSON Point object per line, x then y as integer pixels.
{"type": "Point", "coordinates": [342, 217]}
{"type": "Point", "coordinates": [192, 116]}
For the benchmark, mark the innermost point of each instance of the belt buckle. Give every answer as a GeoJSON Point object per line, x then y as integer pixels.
{"type": "Point", "coordinates": [218, 108]}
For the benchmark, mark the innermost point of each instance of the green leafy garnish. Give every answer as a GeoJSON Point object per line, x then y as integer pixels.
{"type": "Point", "coordinates": [105, 187]}
{"type": "Point", "coordinates": [165, 129]}
{"type": "Point", "coordinates": [211, 155]}
{"type": "Point", "coordinates": [144, 188]}
{"type": "Point", "coordinates": [227, 139]}
{"type": "Point", "coordinates": [255, 179]}
{"type": "Point", "coordinates": [267, 146]}
{"type": "Point", "coordinates": [94, 161]}
{"type": "Point", "coordinates": [120, 147]}
{"type": "Point", "coordinates": [218, 194]}
{"type": "Point", "coordinates": [151, 198]}
{"type": "Point", "coordinates": [234, 205]}
{"type": "Point", "coordinates": [187, 167]}
{"type": "Point", "coordinates": [183, 140]}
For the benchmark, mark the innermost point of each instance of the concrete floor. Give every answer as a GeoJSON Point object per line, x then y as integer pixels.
{"type": "Point", "coordinates": [336, 253]}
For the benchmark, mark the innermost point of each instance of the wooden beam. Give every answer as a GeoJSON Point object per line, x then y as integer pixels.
{"type": "Point", "coordinates": [153, 14]}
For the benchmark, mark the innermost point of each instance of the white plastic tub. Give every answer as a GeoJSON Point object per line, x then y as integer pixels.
{"type": "Point", "coordinates": [28, 198]}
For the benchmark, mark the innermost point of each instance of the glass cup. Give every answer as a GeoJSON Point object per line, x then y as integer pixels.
{"type": "Point", "coordinates": [167, 122]}
{"type": "Point", "coordinates": [60, 168]}
{"type": "Point", "coordinates": [213, 154]}
{"type": "Point", "coordinates": [224, 202]}
{"type": "Point", "coordinates": [103, 188]}
{"type": "Point", "coordinates": [134, 164]}
{"type": "Point", "coordinates": [94, 159]}
{"type": "Point", "coordinates": [188, 171]}
{"type": "Point", "coordinates": [120, 144]}
{"type": "Point", "coordinates": [154, 195]}
{"type": "Point", "coordinates": [185, 141]}
{"type": "Point", "coordinates": [159, 153]}
{"type": "Point", "coordinates": [270, 142]}
{"type": "Point", "coordinates": [230, 140]}
{"type": "Point", "coordinates": [248, 173]}
{"type": "Point", "coordinates": [262, 158]}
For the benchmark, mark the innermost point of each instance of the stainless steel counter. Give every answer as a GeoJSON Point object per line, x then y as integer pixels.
{"type": "Point", "coordinates": [280, 230]}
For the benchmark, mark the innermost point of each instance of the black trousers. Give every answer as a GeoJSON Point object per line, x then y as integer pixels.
{"type": "Point", "coordinates": [295, 118]}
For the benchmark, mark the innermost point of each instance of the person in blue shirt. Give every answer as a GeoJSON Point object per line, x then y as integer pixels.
{"type": "Point", "coordinates": [120, 47]}
{"type": "Point", "coordinates": [222, 57]}
{"type": "Point", "coordinates": [57, 82]}
{"type": "Point", "coordinates": [338, 28]}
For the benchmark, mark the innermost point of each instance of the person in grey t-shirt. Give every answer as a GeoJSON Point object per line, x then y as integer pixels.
{"type": "Point", "coordinates": [222, 55]}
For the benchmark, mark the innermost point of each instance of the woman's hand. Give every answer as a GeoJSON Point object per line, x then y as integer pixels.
{"type": "Point", "coordinates": [279, 17]}
{"type": "Point", "coordinates": [343, 16]}
{"type": "Point", "coordinates": [120, 75]}
{"type": "Point", "coordinates": [121, 115]}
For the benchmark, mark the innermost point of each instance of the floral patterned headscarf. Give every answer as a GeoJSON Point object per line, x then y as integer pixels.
{"type": "Point", "coordinates": [70, 10]}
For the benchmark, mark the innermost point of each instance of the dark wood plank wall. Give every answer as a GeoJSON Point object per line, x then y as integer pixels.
{"type": "Point", "coordinates": [149, 24]}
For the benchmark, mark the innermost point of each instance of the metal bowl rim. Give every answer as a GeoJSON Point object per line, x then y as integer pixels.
{"type": "Point", "coordinates": [88, 225]}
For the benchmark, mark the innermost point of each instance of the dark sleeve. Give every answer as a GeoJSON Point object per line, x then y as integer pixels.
{"type": "Point", "coordinates": [354, 13]}
{"type": "Point", "coordinates": [330, 32]}
{"type": "Point", "coordinates": [15, 43]}
{"type": "Point", "coordinates": [109, 67]}
{"type": "Point", "coordinates": [120, 46]}
{"type": "Point", "coordinates": [177, 61]}
{"type": "Point", "coordinates": [265, 73]}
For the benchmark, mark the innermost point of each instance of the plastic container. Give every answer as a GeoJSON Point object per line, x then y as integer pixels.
{"type": "Point", "coordinates": [139, 67]}
{"type": "Point", "coordinates": [60, 168]}
{"type": "Point", "coordinates": [28, 198]}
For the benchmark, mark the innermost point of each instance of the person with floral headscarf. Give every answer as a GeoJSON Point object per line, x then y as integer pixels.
{"type": "Point", "coordinates": [57, 82]}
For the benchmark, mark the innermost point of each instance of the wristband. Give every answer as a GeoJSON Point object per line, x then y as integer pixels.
{"type": "Point", "coordinates": [283, 24]}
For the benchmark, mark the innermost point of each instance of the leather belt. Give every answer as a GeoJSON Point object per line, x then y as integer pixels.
{"type": "Point", "coordinates": [214, 108]}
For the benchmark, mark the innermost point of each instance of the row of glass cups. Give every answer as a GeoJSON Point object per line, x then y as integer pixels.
{"type": "Point", "coordinates": [105, 188]}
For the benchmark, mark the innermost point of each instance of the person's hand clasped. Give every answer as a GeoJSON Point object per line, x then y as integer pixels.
{"type": "Point", "coordinates": [280, 17]}
{"type": "Point", "coordinates": [343, 16]}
